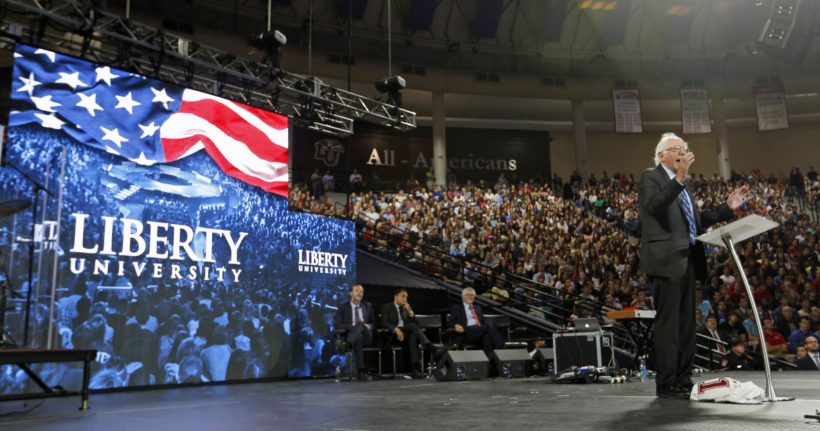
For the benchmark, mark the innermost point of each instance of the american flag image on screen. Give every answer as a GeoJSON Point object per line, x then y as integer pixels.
{"type": "Point", "coordinates": [145, 120]}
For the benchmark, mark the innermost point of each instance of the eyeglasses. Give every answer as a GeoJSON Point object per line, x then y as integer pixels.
{"type": "Point", "coordinates": [677, 149]}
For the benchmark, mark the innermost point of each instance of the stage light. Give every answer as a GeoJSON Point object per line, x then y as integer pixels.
{"type": "Point", "coordinates": [392, 87]}
{"type": "Point", "coordinates": [271, 42]}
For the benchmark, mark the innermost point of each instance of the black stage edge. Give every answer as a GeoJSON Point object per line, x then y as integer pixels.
{"type": "Point", "coordinates": [522, 404]}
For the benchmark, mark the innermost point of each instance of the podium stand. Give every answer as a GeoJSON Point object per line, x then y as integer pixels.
{"type": "Point", "coordinates": [728, 235]}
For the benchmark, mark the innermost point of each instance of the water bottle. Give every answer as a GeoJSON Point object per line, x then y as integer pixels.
{"type": "Point", "coordinates": [506, 371]}
{"type": "Point", "coordinates": [643, 369]}
{"type": "Point", "coordinates": [338, 374]}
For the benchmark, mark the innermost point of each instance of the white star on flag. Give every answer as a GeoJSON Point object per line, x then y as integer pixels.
{"type": "Point", "coordinates": [144, 161]}
{"type": "Point", "coordinates": [28, 84]}
{"type": "Point", "coordinates": [113, 136]}
{"type": "Point", "coordinates": [45, 103]}
{"type": "Point", "coordinates": [161, 97]}
{"type": "Point", "coordinates": [127, 103]}
{"type": "Point", "coordinates": [89, 103]}
{"type": "Point", "coordinates": [50, 121]}
{"type": "Point", "coordinates": [51, 56]}
{"type": "Point", "coordinates": [105, 74]}
{"type": "Point", "coordinates": [148, 130]}
{"type": "Point", "coordinates": [71, 79]}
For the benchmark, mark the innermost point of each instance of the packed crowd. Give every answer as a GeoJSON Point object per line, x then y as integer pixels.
{"type": "Point", "coordinates": [578, 245]}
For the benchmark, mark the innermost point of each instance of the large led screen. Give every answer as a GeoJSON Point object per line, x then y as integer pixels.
{"type": "Point", "coordinates": [164, 239]}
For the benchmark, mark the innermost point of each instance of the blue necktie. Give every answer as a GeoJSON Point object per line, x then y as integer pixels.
{"type": "Point", "coordinates": [690, 215]}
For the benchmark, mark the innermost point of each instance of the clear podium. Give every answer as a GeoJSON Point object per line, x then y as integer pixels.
{"type": "Point", "coordinates": [728, 236]}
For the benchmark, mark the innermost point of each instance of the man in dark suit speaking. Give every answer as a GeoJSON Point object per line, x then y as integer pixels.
{"type": "Point", "coordinates": [357, 318]}
{"type": "Point", "coordinates": [670, 255]}
{"type": "Point", "coordinates": [467, 320]}
{"type": "Point", "coordinates": [400, 320]}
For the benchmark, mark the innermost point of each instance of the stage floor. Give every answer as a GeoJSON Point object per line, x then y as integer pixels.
{"type": "Point", "coordinates": [516, 404]}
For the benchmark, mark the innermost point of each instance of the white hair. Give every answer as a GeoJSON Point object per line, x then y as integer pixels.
{"type": "Point", "coordinates": [668, 136]}
{"type": "Point", "coordinates": [467, 290]}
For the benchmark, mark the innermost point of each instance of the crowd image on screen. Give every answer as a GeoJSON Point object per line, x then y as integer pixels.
{"type": "Point", "coordinates": [274, 322]}
{"type": "Point", "coordinates": [578, 242]}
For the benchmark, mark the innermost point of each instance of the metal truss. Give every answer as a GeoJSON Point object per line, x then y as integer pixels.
{"type": "Point", "coordinates": [106, 38]}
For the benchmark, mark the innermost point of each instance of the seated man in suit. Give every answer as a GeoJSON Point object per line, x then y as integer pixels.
{"type": "Point", "coordinates": [398, 318]}
{"type": "Point", "coordinates": [358, 319]}
{"type": "Point", "coordinates": [467, 319]}
{"type": "Point", "coordinates": [711, 345]}
{"type": "Point", "coordinates": [810, 362]}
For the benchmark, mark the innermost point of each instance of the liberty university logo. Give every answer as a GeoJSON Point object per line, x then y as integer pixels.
{"type": "Point", "coordinates": [329, 151]}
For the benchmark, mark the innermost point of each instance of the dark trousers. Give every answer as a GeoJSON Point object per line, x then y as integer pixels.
{"type": "Point", "coordinates": [358, 337]}
{"type": "Point", "coordinates": [413, 336]}
{"type": "Point", "coordinates": [485, 335]}
{"type": "Point", "coordinates": [674, 328]}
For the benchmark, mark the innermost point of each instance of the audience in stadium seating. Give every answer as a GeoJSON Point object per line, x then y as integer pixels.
{"type": "Point", "coordinates": [569, 238]}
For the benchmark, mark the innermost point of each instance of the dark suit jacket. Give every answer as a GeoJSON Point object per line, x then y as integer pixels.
{"type": "Point", "coordinates": [390, 317]}
{"type": "Point", "coordinates": [805, 363]}
{"type": "Point", "coordinates": [344, 315]}
{"type": "Point", "coordinates": [459, 315]}
{"type": "Point", "coordinates": [664, 231]}
{"type": "Point", "coordinates": [710, 343]}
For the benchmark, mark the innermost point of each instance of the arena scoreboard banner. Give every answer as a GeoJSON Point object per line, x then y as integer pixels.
{"type": "Point", "coordinates": [393, 157]}
{"type": "Point", "coordinates": [165, 240]}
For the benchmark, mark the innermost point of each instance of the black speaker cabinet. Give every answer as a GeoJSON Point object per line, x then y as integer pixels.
{"type": "Point", "coordinates": [513, 362]}
{"type": "Point", "coordinates": [580, 349]}
{"type": "Point", "coordinates": [543, 361]}
{"type": "Point", "coordinates": [463, 365]}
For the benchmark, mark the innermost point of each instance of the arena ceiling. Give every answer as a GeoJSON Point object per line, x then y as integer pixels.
{"type": "Point", "coordinates": [629, 38]}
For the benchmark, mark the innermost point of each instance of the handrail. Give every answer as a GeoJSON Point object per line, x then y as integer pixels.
{"type": "Point", "coordinates": [514, 280]}
{"type": "Point", "coordinates": [434, 261]}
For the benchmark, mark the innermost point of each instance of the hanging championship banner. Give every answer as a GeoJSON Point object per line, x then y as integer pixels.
{"type": "Point", "coordinates": [627, 105]}
{"type": "Point", "coordinates": [694, 103]}
{"type": "Point", "coordinates": [770, 103]}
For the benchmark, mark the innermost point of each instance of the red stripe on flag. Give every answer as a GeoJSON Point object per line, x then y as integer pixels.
{"type": "Point", "coordinates": [239, 129]}
{"type": "Point", "coordinates": [174, 149]}
{"type": "Point", "coordinates": [277, 187]}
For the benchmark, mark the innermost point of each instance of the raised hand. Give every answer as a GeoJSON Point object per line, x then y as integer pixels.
{"type": "Point", "coordinates": [738, 197]}
{"type": "Point", "coordinates": [682, 164]}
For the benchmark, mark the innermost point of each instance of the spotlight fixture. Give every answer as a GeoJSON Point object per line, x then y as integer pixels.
{"type": "Point", "coordinates": [271, 42]}
{"type": "Point", "coordinates": [392, 86]}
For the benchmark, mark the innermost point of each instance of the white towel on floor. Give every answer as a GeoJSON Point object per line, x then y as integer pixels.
{"type": "Point", "coordinates": [727, 390]}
